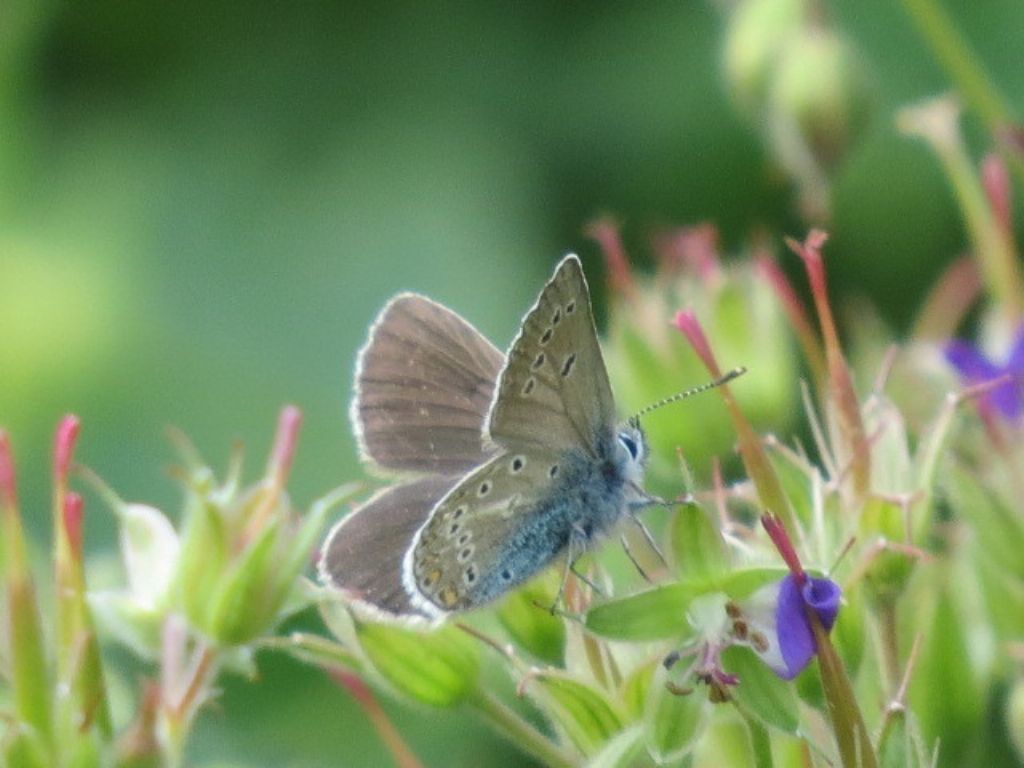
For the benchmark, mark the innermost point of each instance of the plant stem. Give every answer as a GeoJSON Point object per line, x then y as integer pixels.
{"type": "Point", "coordinates": [890, 646]}
{"type": "Point", "coordinates": [963, 68]}
{"type": "Point", "coordinates": [389, 735]}
{"type": "Point", "coordinates": [521, 733]}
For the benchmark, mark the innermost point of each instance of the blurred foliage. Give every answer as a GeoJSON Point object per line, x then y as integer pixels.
{"type": "Point", "coordinates": [203, 205]}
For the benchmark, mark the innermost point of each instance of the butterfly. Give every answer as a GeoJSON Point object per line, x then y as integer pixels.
{"type": "Point", "coordinates": [510, 462]}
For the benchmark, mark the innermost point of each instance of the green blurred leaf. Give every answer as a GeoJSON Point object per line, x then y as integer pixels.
{"type": "Point", "coordinates": [439, 668]}
{"type": "Point", "coordinates": [944, 663]}
{"type": "Point", "coordinates": [22, 748]}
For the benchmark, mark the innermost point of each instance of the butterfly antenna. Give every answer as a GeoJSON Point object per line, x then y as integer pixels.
{"type": "Point", "coordinates": [734, 373]}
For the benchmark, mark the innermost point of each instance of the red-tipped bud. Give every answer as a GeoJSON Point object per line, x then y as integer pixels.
{"type": "Point", "coordinates": [998, 189]}
{"type": "Point", "coordinates": [840, 381]}
{"type": "Point", "coordinates": [692, 248]}
{"type": "Point", "coordinates": [605, 232]}
{"type": "Point", "coordinates": [64, 447]}
{"type": "Point", "coordinates": [285, 442]}
{"type": "Point", "coordinates": [770, 271]}
{"type": "Point", "coordinates": [8, 487]}
{"type": "Point", "coordinates": [687, 322]}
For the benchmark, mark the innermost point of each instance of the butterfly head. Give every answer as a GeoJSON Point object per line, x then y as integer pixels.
{"type": "Point", "coordinates": [631, 450]}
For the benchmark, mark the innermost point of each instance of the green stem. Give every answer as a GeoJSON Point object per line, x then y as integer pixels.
{"type": "Point", "coordinates": [964, 69]}
{"type": "Point", "coordinates": [521, 733]}
{"type": "Point", "coordinates": [890, 646]}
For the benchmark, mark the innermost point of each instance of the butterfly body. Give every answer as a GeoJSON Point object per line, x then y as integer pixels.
{"type": "Point", "coordinates": [517, 460]}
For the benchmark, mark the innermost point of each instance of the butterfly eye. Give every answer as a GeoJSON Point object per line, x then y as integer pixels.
{"type": "Point", "coordinates": [629, 443]}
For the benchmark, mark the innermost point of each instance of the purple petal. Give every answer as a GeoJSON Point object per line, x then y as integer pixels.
{"type": "Point", "coordinates": [822, 596]}
{"type": "Point", "coordinates": [975, 368]}
{"type": "Point", "coordinates": [970, 362]}
{"type": "Point", "coordinates": [796, 641]}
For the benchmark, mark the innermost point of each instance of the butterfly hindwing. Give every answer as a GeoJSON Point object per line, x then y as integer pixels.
{"type": "Point", "coordinates": [424, 382]}
{"type": "Point", "coordinates": [553, 391]}
{"type": "Point", "coordinates": [351, 558]}
{"type": "Point", "coordinates": [491, 532]}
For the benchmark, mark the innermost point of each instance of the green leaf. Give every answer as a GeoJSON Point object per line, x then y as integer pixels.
{"type": "Point", "coordinates": [586, 715]}
{"type": "Point", "coordinates": [695, 543]}
{"type": "Point", "coordinates": [743, 582]}
{"type": "Point", "coordinates": [537, 630]}
{"type": "Point", "coordinates": [761, 692]}
{"type": "Point", "coordinates": [944, 662]}
{"type": "Point", "coordinates": [655, 614]}
{"type": "Point", "coordinates": [673, 722]}
{"type": "Point", "coordinates": [439, 668]}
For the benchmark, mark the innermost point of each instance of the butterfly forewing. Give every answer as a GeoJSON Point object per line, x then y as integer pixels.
{"type": "Point", "coordinates": [424, 382]}
{"type": "Point", "coordinates": [351, 557]}
{"type": "Point", "coordinates": [479, 541]}
{"type": "Point", "coordinates": [554, 390]}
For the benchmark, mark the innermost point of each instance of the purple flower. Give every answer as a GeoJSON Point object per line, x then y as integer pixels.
{"type": "Point", "coordinates": [774, 622]}
{"type": "Point", "coordinates": [975, 367]}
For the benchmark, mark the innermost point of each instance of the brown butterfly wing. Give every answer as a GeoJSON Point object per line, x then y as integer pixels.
{"type": "Point", "coordinates": [424, 382]}
{"type": "Point", "coordinates": [363, 554]}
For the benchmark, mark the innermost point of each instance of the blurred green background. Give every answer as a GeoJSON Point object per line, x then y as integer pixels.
{"type": "Point", "coordinates": [202, 206]}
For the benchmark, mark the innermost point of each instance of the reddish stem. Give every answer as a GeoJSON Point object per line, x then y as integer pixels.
{"type": "Point", "coordinates": [285, 442]}
{"type": "Point", "coordinates": [73, 514]}
{"type": "Point", "coordinates": [780, 538]}
{"type": "Point", "coordinates": [64, 447]}
{"type": "Point", "coordinates": [400, 752]}
{"type": "Point", "coordinates": [794, 309]}
{"type": "Point", "coordinates": [996, 180]}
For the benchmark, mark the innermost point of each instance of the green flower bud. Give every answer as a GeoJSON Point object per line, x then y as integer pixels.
{"type": "Point", "coordinates": [819, 97]}
{"type": "Point", "coordinates": [756, 37]}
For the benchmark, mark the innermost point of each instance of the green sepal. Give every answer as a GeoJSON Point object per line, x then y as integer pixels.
{"type": "Point", "coordinates": [673, 721]}
{"type": "Point", "coordinates": [241, 607]}
{"type": "Point", "coordinates": [586, 715]}
{"type": "Point", "coordinates": [761, 692]}
{"type": "Point", "coordinates": [623, 751]}
{"type": "Point", "coordinates": [439, 668]}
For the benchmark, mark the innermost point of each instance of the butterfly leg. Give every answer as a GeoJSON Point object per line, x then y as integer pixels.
{"type": "Point", "coordinates": [633, 560]}
{"type": "Point", "coordinates": [649, 538]}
